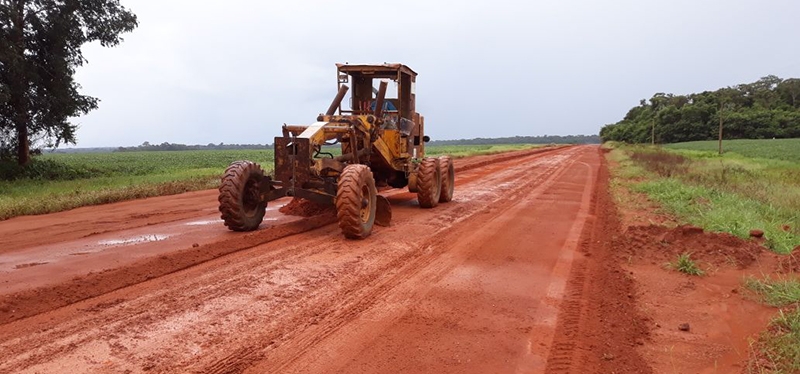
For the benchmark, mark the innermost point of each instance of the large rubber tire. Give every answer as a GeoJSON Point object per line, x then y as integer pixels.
{"type": "Point", "coordinates": [356, 201]}
{"type": "Point", "coordinates": [239, 196]}
{"type": "Point", "coordinates": [429, 182]}
{"type": "Point", "coordinates": [448, 172]}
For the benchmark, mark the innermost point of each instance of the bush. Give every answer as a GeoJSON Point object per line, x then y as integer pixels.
{"type": "Point", "coordinates": [663, 163]}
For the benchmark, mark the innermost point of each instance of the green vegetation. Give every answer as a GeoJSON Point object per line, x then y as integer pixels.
{"type": "Point", "coordinates": [776, 149]}
{"type": "Point", "coordinates": [686, 265]}
{"type": "Point", "coordinates": [755, 186]}
{"type": "Point", "coordinates": [56, 182]}
{"type": "Point", "coordinates": [776, 292]}
{"type": "Point", "coordinates": [546, 139]}
{"type": "Point", "coordinates": [458, 151]}
{"type": "Point", "coordinates": [730, 193]}
{"type": "Point", "coordinates": [765, 109]}
{"type": "Point", "coordinates": [40, 51]}
{"type": "Point", "coordinates": [780, 345]}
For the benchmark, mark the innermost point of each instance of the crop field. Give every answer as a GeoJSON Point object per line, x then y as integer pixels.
{"type": "Point", "coordinates": [68, 180]}
{"type": "Point", "coordinates": [777, 149]}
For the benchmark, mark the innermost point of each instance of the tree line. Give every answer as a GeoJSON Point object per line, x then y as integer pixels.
{"type": "Point", "coordinates": [165, 146]}
{"type": "Point", "coordinates": [544, 139]}
{"type": "Point", "coordinates": [766, 108]}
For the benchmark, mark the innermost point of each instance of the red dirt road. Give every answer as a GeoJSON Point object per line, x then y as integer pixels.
{"type": "Point", "coordinates": [481, 284]}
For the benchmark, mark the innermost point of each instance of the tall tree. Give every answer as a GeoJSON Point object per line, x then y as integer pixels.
{"type": "Point", "coordinates": [790, 89]}
{"type": "Point", "coordinates": [40, 49]}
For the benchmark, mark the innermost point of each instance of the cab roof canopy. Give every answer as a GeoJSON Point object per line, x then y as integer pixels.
{"type": "Point", "coordinates": [376, 70]}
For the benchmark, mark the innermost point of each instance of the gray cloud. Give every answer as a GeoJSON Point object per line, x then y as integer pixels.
{"type": "Point", "coordinates": [199, 72]}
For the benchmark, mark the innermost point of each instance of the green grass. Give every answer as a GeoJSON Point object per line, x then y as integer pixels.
{"type": "Point", "coordinates": [58, 182]}
{"type": "Point", "coordinates": [776, 292]}
{"type": "Point", "coordinates": [777, 149]}
{"type": "Point", "coordinates": [779, 346]}
{"type": "Point", "coordinates": [158, 162]}
{"type": "Point", "coordinates": [732, 193]}
{"type": "Point", "coordinates": [459, 151]}
{"type": "Point", "coordinates": [686, 265]}
{"type": "Point", "coordinates": [723, 211]}
{"type": "Point", "coordinates": [99, 178]}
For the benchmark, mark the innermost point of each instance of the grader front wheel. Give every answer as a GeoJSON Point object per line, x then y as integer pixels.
{"type": "Point", "coordinates": [356, 201]}
{"type": "Point", "coordinates": [239, 196]}
{"type": "Point", "coordinates": [429, 182]}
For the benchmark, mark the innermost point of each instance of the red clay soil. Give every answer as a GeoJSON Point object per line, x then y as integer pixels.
{"type": "Point", "coordinates": [529, 269]}
{"type": "Point", "coordinates": [513, 275]}
{"type": "Point", "coordinates": [697, 324]}
{"type": "Point", "coordinates": [599, 325]}
{"type": "Point", "coordinates": [790, 264]}
{"type": "Point", "coordinates": [306, 208]}
{"type": "Point", "coordinates": [663, 245]}
{"type": "Point", "coordinates": [78, 254]}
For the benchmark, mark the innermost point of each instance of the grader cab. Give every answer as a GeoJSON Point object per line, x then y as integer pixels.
{"type": "Point", "coordinates": [382, 141]}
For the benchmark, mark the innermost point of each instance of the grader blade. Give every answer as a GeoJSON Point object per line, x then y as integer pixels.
{"type": "Point", "coordinates": [383, 212]}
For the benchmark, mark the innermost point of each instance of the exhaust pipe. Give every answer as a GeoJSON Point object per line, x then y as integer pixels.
{"type": "Point", "coordinates": [337, 100]}
{"type": "Point", "coordinates": [379, 100]}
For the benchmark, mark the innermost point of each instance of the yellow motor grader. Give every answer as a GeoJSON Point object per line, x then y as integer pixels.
{"type": "Point", "coordinates": [382, 143]}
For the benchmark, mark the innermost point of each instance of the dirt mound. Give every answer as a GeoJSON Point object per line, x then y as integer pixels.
{"type": "Point", "coordinates": [305, 208]}
{"type": "Point", "coordinates": [659, 243]}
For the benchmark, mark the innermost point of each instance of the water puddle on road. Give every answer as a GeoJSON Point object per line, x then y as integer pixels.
{"type": "Point", "coordinates": [203, 222]}
{"type": "Point", "coordinates": [135, 240]}
{"type": "Point", "coordinates": [217, 222]}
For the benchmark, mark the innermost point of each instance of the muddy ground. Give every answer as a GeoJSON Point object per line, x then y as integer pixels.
{"type": "Point", "coordinates": [529, 270]}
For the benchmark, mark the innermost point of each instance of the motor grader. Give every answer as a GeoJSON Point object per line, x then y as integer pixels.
{"type": "Point", "coordinates": [382, 141]}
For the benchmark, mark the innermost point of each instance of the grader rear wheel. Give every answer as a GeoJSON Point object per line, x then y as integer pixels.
{"type": "Point", "coordinates": [429, 182]}
{"type": "Point", "coordinates": [356, 201]}
{"type": "Point", "coordinates": [448, 172]}
{"type": "Point", "coordinates": [239, 196]}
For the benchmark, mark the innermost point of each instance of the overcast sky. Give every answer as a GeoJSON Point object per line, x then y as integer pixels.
{"type": "Point", "coordinates": [198, 72]}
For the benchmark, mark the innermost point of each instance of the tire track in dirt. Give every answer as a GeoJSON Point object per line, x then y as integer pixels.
{"type": "Point", "coordinates": [428, 260]}
{"type": "Point", "coordinates": [125, 313]}
{"type": "Point", "coordinates": [26, 303]}
{"type": "Point", "coordinates": [341, 308]}
{"type": "Point", "coordinates": [353, 349]}
{"type": "Point", "coordinates": [598, 324]}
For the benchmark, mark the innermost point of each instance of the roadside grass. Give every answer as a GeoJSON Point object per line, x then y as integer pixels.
{"type": "Point", "coordinates": [686, 265]}
{"type": "Point", "coordinates": [779, 292]}
{"type": "Point", "coordinates": [781, 344]}
{"type": "Point", "coordinates": [755, 185]}
{"type": "Point", "coordinates": [727, 194]}
{"type": "Point", "coordinates": [724, 211]}
{"type": "Point", "coordinates": [30, 197]}
{"type": "Point", "coordinates": [58, 182]}
{"type": "Point", "coordinates": [779, 347]}
{"type": "Point", "coordinates": [67, 181]}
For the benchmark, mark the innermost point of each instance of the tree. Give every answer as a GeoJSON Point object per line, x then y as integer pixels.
{"type": "Point", "coordinates": [40, 49]}
{"type": "Point", "coordinates": [790, 90]}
